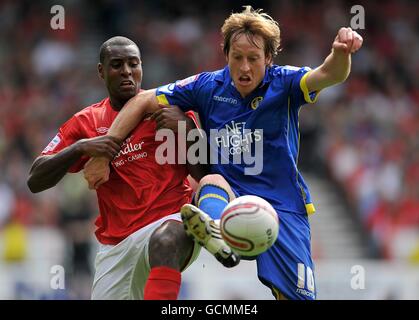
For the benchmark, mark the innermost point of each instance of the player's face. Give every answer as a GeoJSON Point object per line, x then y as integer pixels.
{"type": "Point", "coordinates": [247, 63]}
{"type": "Point", "coordinates": [122, 73]}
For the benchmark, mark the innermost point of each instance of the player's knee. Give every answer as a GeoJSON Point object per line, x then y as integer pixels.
{"type": "Point", "coordinates": [169, 245]}
{"type": "Point", "coordinates": [217, 180]}
{"type": "Point", "coordinates": [166, 237]}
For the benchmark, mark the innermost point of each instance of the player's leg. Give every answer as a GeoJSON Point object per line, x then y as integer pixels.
{"type": "Point", "coordinates": [213, 194]}
{"type": "Point", "coordinates": [287, 267]}
{"type": "Point", "coordinates": [202, 221]}
{"type": "Point", "coordinates": [169, 250]}
{"type": "Point", "coordinates": [122, 270]}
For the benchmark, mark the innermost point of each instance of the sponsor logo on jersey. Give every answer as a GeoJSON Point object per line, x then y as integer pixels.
{"type": "Point", "coordinates": [131, 152]}
{"type": "Point", "coordinates": [237, 139]}
{"type": "Point", "coordinates": [232, 144]}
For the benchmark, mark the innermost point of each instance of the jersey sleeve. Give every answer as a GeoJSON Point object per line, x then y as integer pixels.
{"type": "Point", "coordinates": [69, 133]}
{"type": "Point", "coordinates": [295, 79]}
{"type": "Point", "coordinates": [194, 118]}
{"type": "Point", "coordinates": [186, 93]}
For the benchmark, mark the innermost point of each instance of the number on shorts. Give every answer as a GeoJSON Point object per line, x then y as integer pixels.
{"type": "Point", "coordinates": [302, 276]}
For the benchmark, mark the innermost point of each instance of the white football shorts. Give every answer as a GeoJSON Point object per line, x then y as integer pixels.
{"type": "Point", "coordinates": [122, 270]}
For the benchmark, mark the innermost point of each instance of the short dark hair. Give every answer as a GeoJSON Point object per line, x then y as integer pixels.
{"type": "Point", "coordinates": [115, 41]}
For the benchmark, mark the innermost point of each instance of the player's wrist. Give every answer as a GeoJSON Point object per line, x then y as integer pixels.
{"type": "Point", "coordinates": [79, 147]}
{"type": "Point", "coordinates": [339, 53]}
{"type": "Point", "coordinates": [190, 124]}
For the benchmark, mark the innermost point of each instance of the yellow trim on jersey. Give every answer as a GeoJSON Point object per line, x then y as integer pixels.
{"type": "Point", "coordinates": [162, 99]}
{"type": "Point", "coordinates": [310, 208]}
{"type": "Point", "coordinates": [277, 294]}
{"type": "Point", "coordinates": [304, 89]}
{"type": "Point", "coordinates": [211, 195]}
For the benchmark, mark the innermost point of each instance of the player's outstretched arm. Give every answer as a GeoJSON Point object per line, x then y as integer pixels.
{"type": "Point", "coordinates": [133, 113]}
{"type": "Point", "coordinates": [169, 118]}
{"type": "Point", "coordinates": [96, 170]}
{"type": "Point", "coordinates": [48, 170]}
{"type": "Point", "coordinates": [337, 65]}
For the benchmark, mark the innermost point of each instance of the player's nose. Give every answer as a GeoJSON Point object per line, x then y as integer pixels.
{"type": "Point", "coordinates": [245, 67]}
{"type": "Point", "coordinates": [126, 70]}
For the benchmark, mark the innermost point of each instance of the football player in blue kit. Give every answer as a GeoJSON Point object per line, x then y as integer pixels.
{"type": "Point", "coordinates": [251, 107]}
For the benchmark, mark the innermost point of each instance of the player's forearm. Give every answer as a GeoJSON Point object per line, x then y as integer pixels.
{"type": "Point", "coordinates": [197, 171]}
{"type": "Point", "coordinates": [133, 113]}
{"type": "Point", "coordinates": [337, 66]}
{"type": "Point", "coordinates": [335, 69]}
{"type": "Point", "coordinates": [47, 171]}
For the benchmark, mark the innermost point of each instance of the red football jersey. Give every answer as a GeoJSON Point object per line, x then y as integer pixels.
{"type": "Point", "coordinates": [139, 190]}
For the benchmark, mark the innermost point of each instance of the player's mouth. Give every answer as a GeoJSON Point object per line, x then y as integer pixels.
{"type": "Point", "coordinates": [245, 80]}
{"type": "Point", "coordinates": [127, 84]}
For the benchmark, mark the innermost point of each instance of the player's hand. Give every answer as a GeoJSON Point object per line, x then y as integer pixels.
{"type": "Point", "coordinates": [347, 41]}
{"type": "Point", "coordinates": [96, 172]}
{"type": "Point", "coordinates": [102, 146]}
{"type": "Point", "coordinates": [169, 117]}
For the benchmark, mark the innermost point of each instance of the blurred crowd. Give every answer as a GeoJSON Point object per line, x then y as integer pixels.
{"type": "Point", "coordinates": [367, 128]}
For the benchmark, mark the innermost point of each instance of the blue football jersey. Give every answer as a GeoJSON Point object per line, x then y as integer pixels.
{"type": "Point", "coordinates": [256, 138]}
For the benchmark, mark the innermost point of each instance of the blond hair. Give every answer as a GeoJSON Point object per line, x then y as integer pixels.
{"type": "Point", "coordinates": [252, 22]}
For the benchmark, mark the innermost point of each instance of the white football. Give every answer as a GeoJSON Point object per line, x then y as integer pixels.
{"type": "Point", "coordinates": [249, 225]}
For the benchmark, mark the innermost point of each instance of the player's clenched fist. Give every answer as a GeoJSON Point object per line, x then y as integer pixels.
{"type": "Point", "coordinates": [170, 117]}
{"type": "Point", "coordinates": [102, 146]}
{"type": "Point", "coordinates": [347, 40]}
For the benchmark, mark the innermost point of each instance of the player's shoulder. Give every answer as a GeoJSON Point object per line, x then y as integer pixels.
{"type": "Point", "coordinates": [86, 116]}
{"type": "Point", "coordinates": [197, 82]}
{"type": "Point", "coordinates": [208, 77]}
{"type": "Point", "coordinates": [219, 77]}
{"type": "Point", "coordinates": [286, 71]}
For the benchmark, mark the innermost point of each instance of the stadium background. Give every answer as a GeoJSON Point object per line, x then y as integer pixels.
{"type": "Point", "coordinates": [359, 144]}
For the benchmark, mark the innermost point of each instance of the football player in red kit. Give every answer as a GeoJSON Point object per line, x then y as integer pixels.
{"type": "Point", "coordinates": [143, 246]}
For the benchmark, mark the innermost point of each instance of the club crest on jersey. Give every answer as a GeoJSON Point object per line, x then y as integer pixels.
{"type": "Point", "coordinates": [256, 102]}
{"type": "Point", "coordinates": [185, 82]}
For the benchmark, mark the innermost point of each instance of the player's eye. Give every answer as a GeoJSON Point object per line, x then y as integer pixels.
{"type": "Point", "coordinates": [253, 59]}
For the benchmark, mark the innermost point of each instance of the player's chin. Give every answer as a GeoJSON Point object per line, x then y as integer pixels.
{"type": "Point", "coordinates": [127, 94]}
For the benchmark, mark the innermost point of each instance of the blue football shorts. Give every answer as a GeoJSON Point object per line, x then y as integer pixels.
{"type": "Point", "coordinates": [287, 267]}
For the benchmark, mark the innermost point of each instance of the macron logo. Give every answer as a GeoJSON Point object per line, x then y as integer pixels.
{"type": "Point", "coordinates": [225, 99]}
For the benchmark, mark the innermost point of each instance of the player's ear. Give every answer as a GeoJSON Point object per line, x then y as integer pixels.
{"type": "Point", "coordinates": [269, 59]}
{"type": "Point", "coordinates": [100, 70]}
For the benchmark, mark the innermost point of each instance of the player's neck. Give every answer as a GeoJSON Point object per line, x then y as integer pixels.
{"type": "Point", "coordinates": [116, 104]}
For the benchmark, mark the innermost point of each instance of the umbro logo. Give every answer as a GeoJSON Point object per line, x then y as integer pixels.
{"type": "Point", "coordinates": [102, 130]}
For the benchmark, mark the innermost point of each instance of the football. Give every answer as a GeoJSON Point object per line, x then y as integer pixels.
{"type": "Point", "coordinates": [249, 225]}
